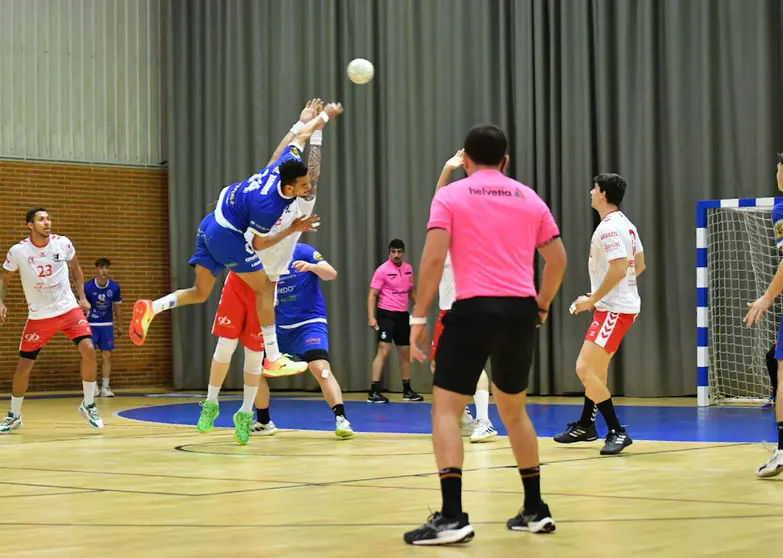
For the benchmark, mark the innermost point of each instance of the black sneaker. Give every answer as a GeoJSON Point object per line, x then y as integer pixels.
{"type": "Point", "coordinates": [577, 433]}
{"type": "Point", "coordinates": [375, 397]}
{"type": "Point", "coordinates": [441, 530]}
{"type": "Point", "coordinates": [539, 521]}
{"type": "Point", "coordinates": [616, 442]}
{"type": "Point", "coordinates": [412, 396]}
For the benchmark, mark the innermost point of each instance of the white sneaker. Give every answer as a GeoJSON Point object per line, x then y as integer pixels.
{"type": "Point", "coordinates": [91, 415]}
{"type": "Point", "coordinates": [10, 423]}
{"type": "Point", "coordinates": [771, 468]}
{"type": "Point", "coordinates": [96, 392]}
{"type": "Point", "coordinates": [467, 427]}
{"type": "Point", "coordinates": [268, 429]}
{"type": "Point", "coordinates": [106, 392]}
{"type": "Point", "coordinates": [343, 428]}
{"type": "Point", "coordinates": [483, 431]}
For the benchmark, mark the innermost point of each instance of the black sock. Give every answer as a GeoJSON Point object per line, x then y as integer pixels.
{"type": "Point", "coordinates": [780, 436]}
{"type": "Point", "coordinates": [531, 482]}
{"type": "Point", "coordinates": [339, 410]}
{"type": "Point", "coordinates": [376, 387]}
{"type": "Point", "coordinates": [451, 490]}
{"type": "Point", "coordinates": [406, 386]}
{"type": "Point", "coordinates": [588, 413]}
{"type": "Point", "coordinates": [607, 411]}
{"type": "Point", "coordinates": [262, 415]}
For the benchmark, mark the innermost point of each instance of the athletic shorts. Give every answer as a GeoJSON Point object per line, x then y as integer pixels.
{"type": "Point", "coordinates": [37, 333]}
{"type": "Point", "coordinates": [218, 248]}
{"type": "Point", "coordinates": [436, 334]}
{"type": "Point", "coordinates": [779, 344]}
{"type": "Point", "coordinates": [103, 337]}
{"type": "Point", "coordinates": [609, 328]}
{"type": "Point", "coordinates": [394, 327]}
{"type": "Point", "coordinates": [307, 342]}
{"type": "Point", "coordinates": [501, 329]}
{"type": "Point", "coordinates": [236, 316]}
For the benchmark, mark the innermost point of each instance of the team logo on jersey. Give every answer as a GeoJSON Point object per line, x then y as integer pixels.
{"type": "Point", "coordinates": [779, 230]}
{"type": "Point", "coordinates": [519, 194]}
{"type": "Point", "coordinates": [317, 256]}
{"type": "Point", "coordinates": [31, 259]}
{"type": "Point", "coordinates": [295, 151]}
{"type": "Point", "coordinates": [57, 257]}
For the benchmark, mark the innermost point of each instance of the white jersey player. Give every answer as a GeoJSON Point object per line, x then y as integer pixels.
{"type": "Point", "coordinates": [616, 260]}
{"type": "Point", "coordinates": [43, 260]}
{"type": "Point", "coordinates": [482, 428]}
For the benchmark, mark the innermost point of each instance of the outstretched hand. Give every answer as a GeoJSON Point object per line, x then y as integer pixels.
{"type": "Point", "coordinates": [311, 110]}
{"type": "Point", "coordinates": [306, 224]}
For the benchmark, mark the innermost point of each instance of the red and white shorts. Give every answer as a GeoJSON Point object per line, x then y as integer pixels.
{"type": "Point", "coordinates": [609, 328]}
{"type": "Point", "coordinates": [236, 316]}
{"type": "Point", "coordinates": [37, 333]}
{"type": "Point", "coordinates": [436, 334]}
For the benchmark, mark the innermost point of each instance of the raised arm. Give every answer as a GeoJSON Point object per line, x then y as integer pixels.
{"type": "Point", "coordinates": [301, 131]}
{"type": "Point", "coordinates": [450, 166]}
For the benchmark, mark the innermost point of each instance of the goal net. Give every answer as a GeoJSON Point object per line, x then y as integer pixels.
{"type": "Point", "coordinates": [741, 260]}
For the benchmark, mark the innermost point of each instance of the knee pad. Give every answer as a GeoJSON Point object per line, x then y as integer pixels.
{"type": "Point", "coordinates": [225, 349]}
{"type": "Point", "coordinates": [253, 362]}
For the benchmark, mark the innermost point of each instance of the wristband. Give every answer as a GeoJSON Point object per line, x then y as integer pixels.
{"type": "Point", "coordinates": [542, 311]}
{"type": "Point", "coordinates": [317, 137]}
{"type": "Point", "coordinates": [324, 116]}
{"type": "Point", "coordinates": [418, 321]}
{"type": "Point", "coordinates": [297, 128]}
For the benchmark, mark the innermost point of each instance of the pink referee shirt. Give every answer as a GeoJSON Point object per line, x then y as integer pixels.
{"type": "Point", "coordinates": [393, 284]}
{"type": "Point", "coordinates": [495, 224]}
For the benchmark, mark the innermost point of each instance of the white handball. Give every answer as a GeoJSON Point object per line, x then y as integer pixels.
{"type": "Point", "coordinates": [360, 71]}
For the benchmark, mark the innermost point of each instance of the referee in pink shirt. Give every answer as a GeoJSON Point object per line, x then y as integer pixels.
{"type": "Point", "coordinates": [492, 225]}
{"type": "Point", "coordinates": [391, 288]}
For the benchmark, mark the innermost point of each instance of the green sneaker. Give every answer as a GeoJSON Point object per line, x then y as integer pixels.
{"type": "Point", "coordinates": [244, 423]}
{"type": "Point", "coordinates": [209, 412]}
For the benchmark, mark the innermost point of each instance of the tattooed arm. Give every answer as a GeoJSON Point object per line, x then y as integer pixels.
{"type": "Point", "coordinates": [314, 170]}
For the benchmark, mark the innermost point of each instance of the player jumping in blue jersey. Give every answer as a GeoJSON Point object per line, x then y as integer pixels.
{"type": "Point", "coordinates": [774, 466]}
{"type": "Point", "coordinates": [252, 205]}
{"type": "Point", "coordinates": [104, 297]}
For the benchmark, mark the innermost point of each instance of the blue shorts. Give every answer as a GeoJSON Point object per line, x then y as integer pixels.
{"type": "Point", "coordinates": [218, 248]}
{"type": "Point", "coordinates": [103, 337]}
{"type": "Point", "coordinates": [779, 344]}
{"type": "Point", "coordinates": [308, 338]}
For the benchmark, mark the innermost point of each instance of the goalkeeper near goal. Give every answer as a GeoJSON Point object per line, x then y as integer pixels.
{"type": "Point", "coordinates": [774, 466]}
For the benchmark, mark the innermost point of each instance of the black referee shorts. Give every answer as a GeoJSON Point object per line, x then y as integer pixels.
{"type": "Point", "coordinates": [501, 329]}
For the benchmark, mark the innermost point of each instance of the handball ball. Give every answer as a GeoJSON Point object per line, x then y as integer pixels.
{"type": "Point", "coordinates": [360, 71]}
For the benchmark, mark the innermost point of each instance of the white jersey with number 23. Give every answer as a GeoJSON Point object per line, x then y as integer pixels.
{"type": "Point", "coordinates": [615, 237]}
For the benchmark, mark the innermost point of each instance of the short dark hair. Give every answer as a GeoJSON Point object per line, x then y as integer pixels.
{"type": "Point", "coordinates": [486, 144]}
{"type": "Point", "coordinates": [396, 244]}
{"type": "Point", "coordinates": [780, 158]}
{"type": "Point", "coordinates": [612, 185]}
{"type": "Point", "coordinates": [30, 217]}
{"type": "Point", "coordinates": [290, 170]}
{"type": "Point", "coordinates": [102, 261]}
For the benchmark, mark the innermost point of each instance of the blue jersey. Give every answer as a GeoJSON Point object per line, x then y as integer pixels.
{"type": "Point", "coordinates": [257, 203]}
{"type": "Point", "coordinates": [101, 300]}
{"type": "Point", "coordinates": [299, 296]}
{"type": "Point", "coordinates": [777, 223]}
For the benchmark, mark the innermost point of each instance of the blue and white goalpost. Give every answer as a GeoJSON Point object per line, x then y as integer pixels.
{"type": "Point", "coordinates": [736, 259]}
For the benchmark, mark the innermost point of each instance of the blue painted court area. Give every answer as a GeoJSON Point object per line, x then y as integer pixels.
{"type": "Point", "coordinates": [674, 424]}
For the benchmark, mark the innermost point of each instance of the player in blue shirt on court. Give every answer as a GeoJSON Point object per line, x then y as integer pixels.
{"type": "Point", "coordinates": [252, 205]}
{"type": "Point", "coordinates": [104, 297]}
{"type": "Point", "coordinates": [302, 330]}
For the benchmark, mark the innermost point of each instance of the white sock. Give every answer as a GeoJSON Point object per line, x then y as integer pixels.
{"type": "Point", "coordinates": [481, 397]}
{"type": "Point", "coordinates": [212, 393]}
{"type": "Point", "coordinates": [248, 398]}
{"type": "Point", "coordinates": [165, 303]}
{"type": "Point", "coordinates": [106, 383]}
{"type": "Point", "coordinates": [89, 392]}
{"type": "Point", "coordinates": [16, 406]}
{"type": "Point", "coordinates": [270, 343]}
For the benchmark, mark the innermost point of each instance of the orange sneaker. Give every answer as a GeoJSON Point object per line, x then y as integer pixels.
{"type": "Point", "coordinates": [283, 366]}
{"type": "Point", "coordinates": [140, 323]}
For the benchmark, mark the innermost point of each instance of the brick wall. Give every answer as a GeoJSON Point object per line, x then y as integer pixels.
{"type": "Point", "coordinates": [119, 213]}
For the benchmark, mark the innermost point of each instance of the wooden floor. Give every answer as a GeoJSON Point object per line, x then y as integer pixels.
{"type": "Point", "coordinates": [137, 489]}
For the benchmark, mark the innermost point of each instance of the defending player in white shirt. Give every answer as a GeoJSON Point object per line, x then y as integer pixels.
{"type": "Point", "coordinates": [616, 261]}
{"type": "Point", "coordinates": [43, 260]}
{"type": "Point", "coordinates": [482, 428]}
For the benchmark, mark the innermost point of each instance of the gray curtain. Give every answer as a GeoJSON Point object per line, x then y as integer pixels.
{"type": "Point", "coordinates": [682, 97]}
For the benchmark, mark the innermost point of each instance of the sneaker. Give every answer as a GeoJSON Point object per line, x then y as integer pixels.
{"type": "Point", "coordinates": [343, 428]}
{"type": "Point", "coordinates": [771, 468]}
{"type": "Point", "coordinates": [268, 429]}
{"type": "Point", "coordinates": [616, 442]}
{"type": "Point", "coordinates": [412, 396]}
{"type": "Point", "coordinates": [539, 521]}
{"type": "Point", "coordinates": [106, 392]}
{"type": "Point", "coordinates": [243, 423]}
{"type": "Point", "coordinates": [96, 392]}
{"type": "Point", "coordinates": [209, 412]}
{"type": "Point", "coordinates": [91, 415]}
{"type": "Point", "coordinates": [770, 404]}
{"type": "Point", "coordinates": [441, 530]}
{"type": "Point", "coordinates": [483, 431]}
{"type": "Point", "coordinates": [575, 432]}
{"type": "Point", "coordinates": [284, 366]}
{"type": "Point", "coordinates": [10, 423]}
{"type": "Point", "coordinates": [140, 323]}
{"type": "Point", "coordinates": [467, 427]}
{"type": "Point", "coordinates": [375, 397]}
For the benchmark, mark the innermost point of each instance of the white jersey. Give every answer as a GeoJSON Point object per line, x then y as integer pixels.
{"type": "Point", "coordinates": [446, 292]}
{"type": "Point", "coordinates": [615, 237]}
{"type": "Point", "coordinates": [44, 274]}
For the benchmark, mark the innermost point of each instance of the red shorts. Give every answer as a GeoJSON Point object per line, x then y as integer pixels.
{"type": "Point", "coordinates": [38, 333]}
{"type": "Point", "coordinates": [236, 316]}
{"type": "Point", "coordinates": [436, 334]}
{"type": "Point", "coordinates": [609, 328]}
